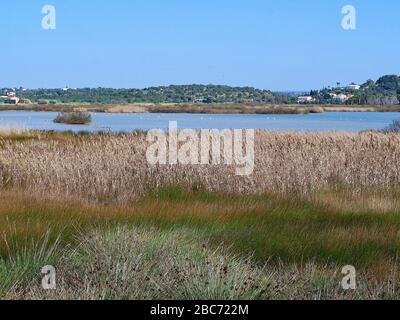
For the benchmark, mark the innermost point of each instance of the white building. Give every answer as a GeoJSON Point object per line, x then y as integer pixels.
{"type": "Point", "coordinates": [305, 99]}
{"type": "Point", "coordinates": [11, 98]}
{"type": "Point", "coordinates": [341, 96]}
{"type": "Point", "coordinates": [354, 86]}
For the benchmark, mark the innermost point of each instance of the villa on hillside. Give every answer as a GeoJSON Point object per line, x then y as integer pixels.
{"type": "Point", "coordinates": [11, 98]}
{"type": "Point", "coordinates": [305, 99]}
{"type": "Point", "coordinates": [340, 97]}
{"type": "Point", "coordinates": [354, 86]}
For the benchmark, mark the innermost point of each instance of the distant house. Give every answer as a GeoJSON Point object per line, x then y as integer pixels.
{"type": "Point", "coordinates": [354, 86]}
{"type": "Point", "coordinates": [305, 99]}
{"type": "Point", "coordinates": [11, 98]}
{"type": "Point", "coordinates": [340, 97]}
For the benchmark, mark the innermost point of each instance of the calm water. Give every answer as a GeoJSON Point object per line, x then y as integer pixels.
{"type": "Point", "coordinates": [341, 121]}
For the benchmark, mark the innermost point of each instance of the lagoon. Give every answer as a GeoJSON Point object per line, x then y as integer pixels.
{"type": "Point", "coordinates": [126, 122]}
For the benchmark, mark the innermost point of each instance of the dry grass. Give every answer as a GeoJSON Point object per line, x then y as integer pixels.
{"type": "Point", "coordinates": [221, 108]}
{"type": "Point", "coordinates": [113, 167]}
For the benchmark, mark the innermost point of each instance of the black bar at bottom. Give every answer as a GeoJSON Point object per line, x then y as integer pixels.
{"type": "Point", "coordinates": [199, 309]}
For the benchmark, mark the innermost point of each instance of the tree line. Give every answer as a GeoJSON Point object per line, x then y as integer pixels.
{"type": "Point", "coordinates": [167, 94]}
{"type": "Point", "coordinates": [385, 91]}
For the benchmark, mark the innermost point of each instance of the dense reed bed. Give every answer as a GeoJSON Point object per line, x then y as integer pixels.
{"type": "Point", "coordinates": [113, 167]}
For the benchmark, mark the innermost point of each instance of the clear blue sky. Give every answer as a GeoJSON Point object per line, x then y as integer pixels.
{"type": "Point", "coordinates": [270, 44]}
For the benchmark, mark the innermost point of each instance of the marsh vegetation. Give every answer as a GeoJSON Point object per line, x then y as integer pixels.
{"type": "Point", "coordinates": [74, 118]}
{"type": "Point", "coordinates": [117, 228]}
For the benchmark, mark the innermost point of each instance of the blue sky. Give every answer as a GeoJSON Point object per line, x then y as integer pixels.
{"type": "Point", "coordinates": [277, 45]}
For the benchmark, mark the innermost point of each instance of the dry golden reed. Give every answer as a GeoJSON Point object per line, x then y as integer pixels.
{"type": "Point", "coordinates": [113, 167]}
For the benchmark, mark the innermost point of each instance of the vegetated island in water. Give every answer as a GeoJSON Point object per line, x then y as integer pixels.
{"type": "Point", "coordinates": [73, 118]}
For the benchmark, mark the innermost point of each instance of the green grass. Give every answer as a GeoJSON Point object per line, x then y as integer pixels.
{"type": "Point", "coordinates": [291, 230]}
{"type": "Point", "coordinates": [286, 235]}
{"type": "Point", "coordinates": [137, 263]}
{"type": "Point", "coordinates": [266, 226]}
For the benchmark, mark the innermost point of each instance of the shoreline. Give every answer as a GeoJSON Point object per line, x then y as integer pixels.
{"type": "Point", "coordinates": [199, 108]}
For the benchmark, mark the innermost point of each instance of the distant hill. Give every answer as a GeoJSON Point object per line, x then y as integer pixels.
{"type": "Point", "coordinates": [385, 91]}
{"type": "Point", "coordinates": [169, 94]}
